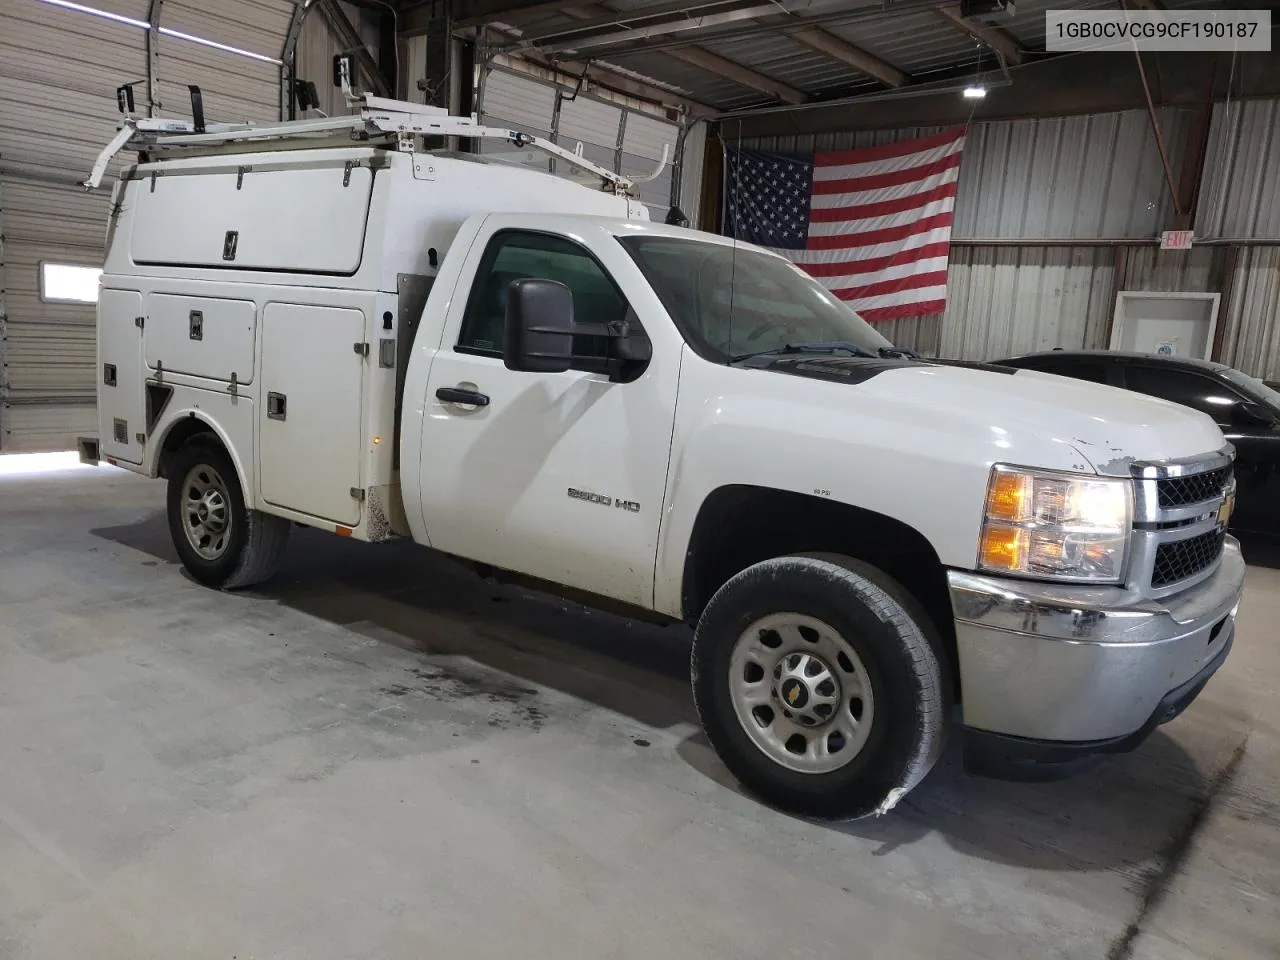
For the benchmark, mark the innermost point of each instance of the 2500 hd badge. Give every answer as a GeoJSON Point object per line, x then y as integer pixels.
{"type": "Point", "coordinates": [630, 506]}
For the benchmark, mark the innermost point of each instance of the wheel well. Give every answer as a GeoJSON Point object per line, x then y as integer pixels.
{"type": "Point", "coordinates": [740, 525]}
{"type": "Point", "coordinates": [179, 435]}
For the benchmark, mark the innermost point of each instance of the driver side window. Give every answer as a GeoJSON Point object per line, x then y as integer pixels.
{"type": "Point", "coordinates": [515, 255]}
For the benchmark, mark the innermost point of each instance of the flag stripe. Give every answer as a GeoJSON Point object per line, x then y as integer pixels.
{"type": "Point", "coordinates": [898, 271]}
{"type": "Point", "coordinates": [924, 307]}
{"type": "Point", "coordinates": [899, 258]}
{"type": "Point", "coordinates": [918, 281]}
{"type": "Point", "coordinates": [874, 168]}
{"type": "Point", "coordinates": [888, 151]}
{"type": "Point", "coordinates": [885, 234]}
{"type": "Point", "coordinates": [922, 295]}
{"type": "Point", "coordinates": [910, 177]}
{"type": "Point", "coordinates": [836, 256]}
{"type": "Point", "coordinates": [883, 208]}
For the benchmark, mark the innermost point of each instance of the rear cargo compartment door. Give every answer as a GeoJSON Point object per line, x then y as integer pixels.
{"type": "Point", "coordinates": [121, 407]}
{"type": "Point", "coordinates": [301, 219]}
{"type": "Point", "coordinates": [310, 420]}
{"type": "Point", "coordinates": [202, 336]}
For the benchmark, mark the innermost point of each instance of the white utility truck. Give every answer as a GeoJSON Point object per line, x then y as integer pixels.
{"type": "Point", "coordinates": [320, 322]}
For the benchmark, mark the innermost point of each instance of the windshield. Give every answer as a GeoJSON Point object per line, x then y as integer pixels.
{"type": "Point", "coordinates": [729, 304]}
{"type": "Point", "coordinates": [1256, 389]}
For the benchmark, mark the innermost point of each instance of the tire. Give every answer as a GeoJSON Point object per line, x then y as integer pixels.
{"type": "Point", "coordinates": [892, 666]}
{"type": "Point", "coordinates": [232, 546]}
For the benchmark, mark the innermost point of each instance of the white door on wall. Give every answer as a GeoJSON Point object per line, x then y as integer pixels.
{"type": "Point", "coordinates": [1168, 324]}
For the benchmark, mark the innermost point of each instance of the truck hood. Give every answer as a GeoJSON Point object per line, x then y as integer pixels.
{"type": "Point", "coordinates": [1110, 428]}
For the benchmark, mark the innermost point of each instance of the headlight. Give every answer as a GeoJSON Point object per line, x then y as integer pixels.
{"type": "Point", "coordinates": [1055, 526]}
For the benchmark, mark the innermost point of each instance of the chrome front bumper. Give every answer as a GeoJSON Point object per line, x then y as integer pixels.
{"type": "Point", "coordinates": [1086, 665]}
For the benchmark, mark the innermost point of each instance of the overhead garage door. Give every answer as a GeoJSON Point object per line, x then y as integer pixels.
{"type": "Point", "coordinates": [59, 69]}
{"type": "Point", "coordinates": [528, 104]}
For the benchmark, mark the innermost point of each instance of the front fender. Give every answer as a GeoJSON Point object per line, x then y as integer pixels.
{"type": "Point", "coordinates": [923, 466]}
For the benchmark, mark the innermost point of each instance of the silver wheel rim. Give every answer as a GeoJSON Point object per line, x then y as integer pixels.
{"type": "Point", "coordinates": [801, 693]}
{"type": "Point", "coordinates": [206, 511]}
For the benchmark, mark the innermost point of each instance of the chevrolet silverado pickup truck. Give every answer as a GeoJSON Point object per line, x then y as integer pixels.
{"type": "Point", "coordinates": [321, 322]}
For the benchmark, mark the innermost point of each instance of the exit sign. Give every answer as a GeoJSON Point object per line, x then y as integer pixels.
{"type": "Point", "coordinates": [1176, 239]}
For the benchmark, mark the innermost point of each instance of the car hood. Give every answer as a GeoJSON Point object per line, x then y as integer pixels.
{"type": "Point", "coordinates": [1109, 427]}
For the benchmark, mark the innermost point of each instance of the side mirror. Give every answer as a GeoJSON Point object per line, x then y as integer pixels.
{"type": "Point", "coordinates": [628, 342]}
{"type": "Point", "coordinates": [539, 335]}
{"type": "Point", "coordinates": [1251, 415]}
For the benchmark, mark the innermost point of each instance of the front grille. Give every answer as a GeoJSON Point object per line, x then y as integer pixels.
{"type": "Point", "coordinates": [1183, 559]}
{"type": "Point", "coordinates": [1197, 488]}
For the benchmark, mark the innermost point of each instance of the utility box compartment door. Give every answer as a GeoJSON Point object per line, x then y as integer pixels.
{"type": "Point", "coordinates": [200, 336]}
{"type": "Point", "coordinates": [310, 415]}
{"type": "Point", "coordinates": [300, 219]}
{"type": "Point", "coordinates": [121, 403]}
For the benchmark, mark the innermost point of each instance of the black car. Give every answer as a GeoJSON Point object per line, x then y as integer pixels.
{"type": "Point", "coordinates": [1247, 410]}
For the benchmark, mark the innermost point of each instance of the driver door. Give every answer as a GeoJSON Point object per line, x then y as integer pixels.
{"type": "Point", "coordinates": [558, 476]}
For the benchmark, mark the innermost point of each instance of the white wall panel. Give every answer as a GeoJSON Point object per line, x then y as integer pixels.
{"type": "Point", "coordinates": [692, 165]}
{"type": "Point", "coordinates": [30, 428]}
{"type": "Point", "coordinates": [1251, 340]}
{"type": "Point", "coordinates": [590, 121]}
{"type": "Point", "coordinates": [1007, 300]}
{"type": "Point", "coordinates": [1240, 189]}
{"type": "Point", "coordinates": [523, 102]}
{"type": "Point", "coordinates": [646, 136]}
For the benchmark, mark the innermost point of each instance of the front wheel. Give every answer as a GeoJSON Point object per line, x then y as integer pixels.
{"type": "Point", "coordinates": [819, 686]}
{"type": "Point", "coordinates": [220, 541]}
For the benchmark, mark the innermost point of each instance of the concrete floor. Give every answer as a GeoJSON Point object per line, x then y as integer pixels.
{"type": "Point", "coordinates": [379, 756]}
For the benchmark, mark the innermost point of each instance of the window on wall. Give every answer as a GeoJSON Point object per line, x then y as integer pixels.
{"type": "Point", "coordinates": [69, 283]}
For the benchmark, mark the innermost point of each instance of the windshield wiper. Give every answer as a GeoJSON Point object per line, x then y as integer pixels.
{"type": "Point", "coordinates": [810, 347]}
{"type": "Point", "coordinates": [901, 353]}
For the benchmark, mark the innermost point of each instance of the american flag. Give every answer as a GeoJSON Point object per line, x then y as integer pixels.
{"type": "Point", "coordinates": [872, 225]}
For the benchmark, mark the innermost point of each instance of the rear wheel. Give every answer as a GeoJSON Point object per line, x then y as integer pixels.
{"type": "Point", "coordinates": [220, 542]}
{"type": "Point", "coordinates": [820, 686]}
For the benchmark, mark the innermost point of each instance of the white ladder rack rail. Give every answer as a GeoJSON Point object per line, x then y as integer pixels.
{"type": "Point", "coordinates": [379, 118]}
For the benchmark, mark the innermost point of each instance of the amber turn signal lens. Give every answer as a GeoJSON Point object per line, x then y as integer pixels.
{"type": "Point", "coordinates": [1003, 548]}
{"type": "Point", "coordinates": [1009, 497]}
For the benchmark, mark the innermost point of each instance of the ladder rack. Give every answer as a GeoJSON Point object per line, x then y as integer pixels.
{"type": "Point", "coordinates": [378, 119]}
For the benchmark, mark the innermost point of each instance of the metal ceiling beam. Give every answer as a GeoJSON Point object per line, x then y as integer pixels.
{"type": "Point", "coordinates": [480, 13]}
{"type": "Point", "coordinates": [850, 55]}
{"type": "Point", "coordinates": [724, 67]}
{"type": "Point", "coordinates": [704, 59]}
{"type": "Point", "coordinates": [998, 40]}
{"type": "Point", "coordinates": [653, 21]}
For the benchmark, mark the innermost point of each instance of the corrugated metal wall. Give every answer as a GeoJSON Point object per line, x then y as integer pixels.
{"type": "Point", "coordinates": [1251, 340]}
{"type": "Point", "coordinates": [59, 69]}
{"type": "Point", "coordinates": [616, 136]}
{"type": "Point", "coordinates": [1240, 195]}
{"type": "Point", "coordinates": [1097, 180]}
{"type": "Point", "coordinates": [58, 73]}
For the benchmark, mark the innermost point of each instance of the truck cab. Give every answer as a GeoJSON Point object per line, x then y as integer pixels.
{"type": "Point", "coordinates": [527, 374]}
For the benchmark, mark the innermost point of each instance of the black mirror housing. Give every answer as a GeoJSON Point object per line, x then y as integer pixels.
{"type": "Point", "coordinates": [539, 334]}
{"type": "Point", "coordinates": [1251, 415]}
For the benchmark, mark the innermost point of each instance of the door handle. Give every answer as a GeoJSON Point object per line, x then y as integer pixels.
{"type": "Point", "coordinates": [275, 406]}
{"type": "Point", "coordinates": [458, 395]}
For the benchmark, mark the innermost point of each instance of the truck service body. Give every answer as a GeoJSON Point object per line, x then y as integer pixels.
{"type": "Point", "coordinates": [525, 373]}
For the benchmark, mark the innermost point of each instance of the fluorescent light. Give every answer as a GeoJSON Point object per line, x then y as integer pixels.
{"type": "Point", "coordinates": [167, 31]}
{"type": "Point", "coordinates": [218, 46]}
{"type": "Point", "coordinates": [94, 11]}
{"type": "Point", "coordinates": [975, 92]}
